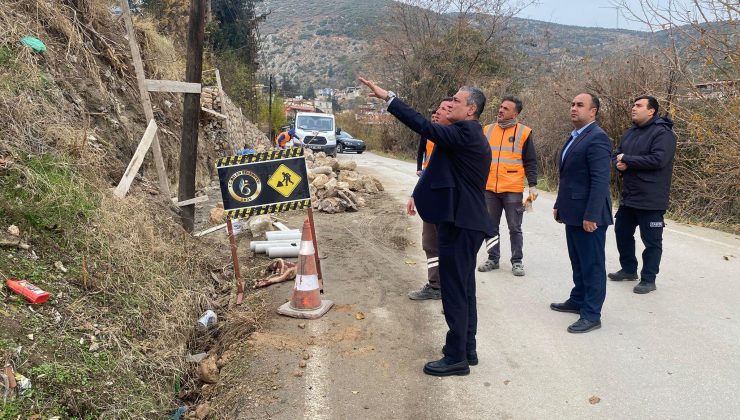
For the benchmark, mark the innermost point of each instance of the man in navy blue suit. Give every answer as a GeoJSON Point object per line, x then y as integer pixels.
{"type": "Point", "coordinates": [450, 194]}
{"type": "Point", "coordinates": [584, 205]}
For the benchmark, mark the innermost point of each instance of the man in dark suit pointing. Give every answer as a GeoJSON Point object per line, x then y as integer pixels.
{"type": "Point", "coordinates": [585, 207]}
{"type": "Point", "coordinates": [450, 194]}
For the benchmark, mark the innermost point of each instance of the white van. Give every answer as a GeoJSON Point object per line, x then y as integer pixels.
{"type": "Point", "coordinates": [317, 132]}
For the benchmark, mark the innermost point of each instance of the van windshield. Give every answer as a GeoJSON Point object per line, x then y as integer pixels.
{"type": "Point", "coordinates": [315, 123]}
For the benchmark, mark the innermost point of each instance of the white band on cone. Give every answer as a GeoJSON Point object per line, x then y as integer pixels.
{"type": "Point", "coordinates": [307, 283]}
{"type": "Point", "coordinates": [432, 265]}
{"type": "Point", "coordinates": [306, 248]}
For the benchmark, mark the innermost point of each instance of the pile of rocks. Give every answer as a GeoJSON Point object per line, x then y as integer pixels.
{"type": "Point", "coordinates": [335, 184]}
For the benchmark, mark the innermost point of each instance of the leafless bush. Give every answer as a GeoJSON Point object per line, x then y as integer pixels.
{"type": "Point", "coordinates": [430, 48]}
{"type": "Point", "coordinates": [707, 165]}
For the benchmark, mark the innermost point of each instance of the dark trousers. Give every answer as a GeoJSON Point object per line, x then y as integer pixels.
{"type": "Point", "coordinates": [651, 232]}
{"type": "Point", "coordinates": [588, 260]}
{"type": "Point", "coordinates": [511, 204]}
{"type": "Point", "coordinates": [430, 244]}
{"type": "Point", "coordinates": [457, 256]}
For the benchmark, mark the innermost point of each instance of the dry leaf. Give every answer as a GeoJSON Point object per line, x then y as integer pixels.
{"type": "Point", "coordinates": [594, 400]}
{"type": "Point", "coordinates": [360, 316]}
{"type": "Point", "coordinates": [410, 262]}
{"type": "Point", "coordinates": [355, 392]}
{"type": "Point", "coordinates": [507, 382]}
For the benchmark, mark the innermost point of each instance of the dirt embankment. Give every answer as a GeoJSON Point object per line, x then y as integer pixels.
{"type": "Point", "coordinates": [127, 283]}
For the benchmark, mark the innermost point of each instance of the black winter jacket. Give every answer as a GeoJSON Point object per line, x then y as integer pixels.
{"type": "Point", "coordinates": [648, 152]}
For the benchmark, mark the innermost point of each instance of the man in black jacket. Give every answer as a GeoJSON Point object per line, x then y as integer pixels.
{"type": "Point", "coordinates": [450, 194]}
{"type": "Point", "coordinates": [644, 158]}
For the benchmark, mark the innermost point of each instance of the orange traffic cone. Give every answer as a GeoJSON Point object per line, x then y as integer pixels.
{"type": "Point", "coordinates": [306, 299]}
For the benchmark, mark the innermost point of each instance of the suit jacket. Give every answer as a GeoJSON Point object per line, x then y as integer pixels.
{"type": "Point", "coordinates": [451, 189]}
{"type": "Point", "coordinates": [584, 179]}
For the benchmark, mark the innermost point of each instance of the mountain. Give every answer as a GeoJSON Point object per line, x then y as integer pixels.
{"type": "Point", "coordinates": [326, 43]}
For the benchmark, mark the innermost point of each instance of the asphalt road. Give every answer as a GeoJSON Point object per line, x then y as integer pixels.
{"type": "Point", "coordinates": [673, 353]}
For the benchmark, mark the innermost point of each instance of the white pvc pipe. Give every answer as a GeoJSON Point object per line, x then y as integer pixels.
{"type": "Point", "coordinates": [283, 252]}
{"type": "Point", "coordinates": [262, 248]}
{"type": "Point", "coordinates": [274, 235]}
{"type": "Point", "coordinates": [253, 244]}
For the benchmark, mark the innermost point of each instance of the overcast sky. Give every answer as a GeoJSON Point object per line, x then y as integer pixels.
{"type": "Point", "coordinates": [581, 13]}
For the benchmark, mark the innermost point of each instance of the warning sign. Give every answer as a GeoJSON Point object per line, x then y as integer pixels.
{"type": "Point", "coordinates": [284, 180]}
{"type": "Point", "coordinates": [261, 183]}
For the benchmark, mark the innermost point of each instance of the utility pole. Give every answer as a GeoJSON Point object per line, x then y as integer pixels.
{"type": "Point", "coordinates": [269, 109]}
{"type": "Point", "coordinates": [616, 8]}
{"type": "Point", "coordinates": [191, 112]}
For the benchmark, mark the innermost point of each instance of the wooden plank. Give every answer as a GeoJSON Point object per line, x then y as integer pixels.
{"type": "Point", "coordinates": [136, 161]}
{"type": "Point", "coordinates": [214, 113]}
{"type": "Point", "coordinates": [172, 86]}
{"type": "Point", "coordinates": [218, 82]}
{"type": "Point", "coordinates": [209, 230]}
{"type": "Point", "coordinates": [164, 183]}
{"type": "Point", "coordinates": [280, 226]}
{"type": "Point", "coordinates": [196, 200]}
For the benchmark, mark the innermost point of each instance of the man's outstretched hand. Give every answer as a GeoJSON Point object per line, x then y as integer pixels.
{"type": "Point", "coordinates": [377, 91]}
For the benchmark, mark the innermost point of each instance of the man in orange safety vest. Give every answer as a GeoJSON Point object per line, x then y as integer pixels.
{"type": "Point", "coordinates": [513, 157]}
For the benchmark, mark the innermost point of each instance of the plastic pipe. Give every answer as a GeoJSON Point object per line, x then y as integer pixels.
{"type": "Point", "coordinates": [253, 244]}
{"type": "Point", "coordinates": [283, 252]}
{"type": "Point", "coordinates": [262, 248]}
{"type": "Point", "coordinates": [274, 235]}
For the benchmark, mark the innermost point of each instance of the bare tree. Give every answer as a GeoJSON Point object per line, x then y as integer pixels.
{"type": "Point", "coordinates": [429, 48]}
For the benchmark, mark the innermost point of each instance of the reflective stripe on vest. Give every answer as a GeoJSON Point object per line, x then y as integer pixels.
{"type": "Point", "coordinates": [427, 154]}
{"type": "Point", "coordinates": [507, 166]}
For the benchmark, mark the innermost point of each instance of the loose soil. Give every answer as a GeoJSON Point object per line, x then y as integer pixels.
{"type": "Point", "coordinates": [275, 366]}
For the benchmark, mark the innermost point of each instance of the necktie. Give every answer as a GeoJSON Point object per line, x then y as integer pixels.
{"type": "Point", "coordinates": [567, 146]}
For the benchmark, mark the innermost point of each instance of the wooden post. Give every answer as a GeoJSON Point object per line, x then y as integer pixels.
{"type": "Point", "coordinates": [164, 183]}
{"type": "Point", "coordinates": [136, 161]}
{"type": "Point", "coordinates": [316, 249]}
{"type": "Point", "coordinates": [235, 260]}
{"type": "Point", "coordinates": [269, 112]}
{"type": "Point", "coordinates": [191, 112]}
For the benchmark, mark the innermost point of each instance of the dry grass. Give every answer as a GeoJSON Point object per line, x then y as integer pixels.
{"type": "Point", "coordinates": [165, 60]}
{"type": "Point", "coordinates": [136, 282]}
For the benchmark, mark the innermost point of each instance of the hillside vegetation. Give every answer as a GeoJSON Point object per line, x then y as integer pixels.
{"type": "Point", "coordinates": [126, 281]}
{"type": "Point", "coordinates": [326, 44]}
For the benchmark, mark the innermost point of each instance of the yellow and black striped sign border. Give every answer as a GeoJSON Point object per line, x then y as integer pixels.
{"type": "Point", "coordinates": [268, 208]}
{"type": "Point", "coordinates": [260, 157]}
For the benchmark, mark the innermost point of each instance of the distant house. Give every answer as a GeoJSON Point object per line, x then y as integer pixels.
{"type": "Point", "coordinates": [323, 106]}
{"type": "Point", "coordinates": [324, 92]}
{"type": "Point", "coordinates": [352, 92]}
{"type": "Point", "coordinates": [291, 110]}
{"type": "Point", "coordinates": [719, 88]}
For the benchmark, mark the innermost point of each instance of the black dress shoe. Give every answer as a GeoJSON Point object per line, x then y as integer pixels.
{"type": "Point", "coordinates": [565, 307]}
{"type": "Point", "coordinates": [622, 275]}
{"type": "Point", "coordinates": [644, 287]}
{"type": "Point", "coordinates": [584, 326]}
{"type": "Point", "coordinates": [472, 356]}
{"type": "Point", "coordinates": [445, 367]}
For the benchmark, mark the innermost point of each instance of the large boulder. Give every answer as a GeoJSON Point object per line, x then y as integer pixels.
{"type": "Point", "coordinates": [326, 170]}
{"type": "Point", "coordinates": [216, 215]}
{"type": "Point", "coordinates": [332, 205]}
{"type": "Point", "coordinates": [344, 175]}
{"type": "Point", "coordinates": [208, 371]}
{"type": "Point", "coordinates": [320, 180]}
{"type": "Point", "coordinates": [347, 165]}
{"type": "Point", "coordinates": [331, 162]}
